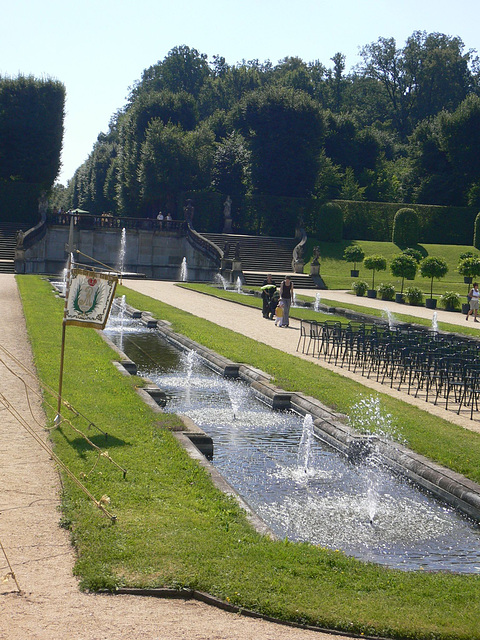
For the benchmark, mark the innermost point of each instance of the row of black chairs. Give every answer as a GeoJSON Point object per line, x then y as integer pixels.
{"type": "Point", "coordinates": [442, 366]}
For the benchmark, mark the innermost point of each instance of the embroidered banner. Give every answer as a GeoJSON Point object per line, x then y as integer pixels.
{"type": "Point", "coordinates": [90, 298]}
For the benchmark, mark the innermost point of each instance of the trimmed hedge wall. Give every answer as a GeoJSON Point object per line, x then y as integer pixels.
{"type": "Point", "coordinates": [19, 203]}
{"type": "Point", "coordinates": [362, 220]}
{"type": "Point", "coordinates": [437, 225]}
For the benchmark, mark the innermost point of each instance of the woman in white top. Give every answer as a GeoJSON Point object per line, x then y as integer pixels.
{"type": "Point", "coordinates": [474, 296]}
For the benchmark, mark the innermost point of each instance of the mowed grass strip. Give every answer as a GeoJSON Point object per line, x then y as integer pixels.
{"type": "Point", "coordinates": [175, 529]}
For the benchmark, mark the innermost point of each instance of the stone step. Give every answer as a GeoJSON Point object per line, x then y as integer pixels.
{"type": "Point", "coordinates": [262, 253]}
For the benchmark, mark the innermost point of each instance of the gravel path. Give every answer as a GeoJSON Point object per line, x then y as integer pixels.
{"type": "Point", "coordinates": [50, 606]}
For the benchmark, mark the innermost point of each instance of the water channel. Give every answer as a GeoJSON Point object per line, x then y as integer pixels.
{"type": "Point", "coordinates": [299, 486]}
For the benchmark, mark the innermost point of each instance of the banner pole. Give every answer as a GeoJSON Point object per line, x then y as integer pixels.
{"type": "Point", "coordinates": [60, 379]}
{"type": "Point", "coordinates": [58, 417]}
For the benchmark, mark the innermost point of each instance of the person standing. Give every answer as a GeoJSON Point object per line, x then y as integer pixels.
{"type": "Point", "coordinates": [474, 296]}
{"type": "Point", "coordinates": [268, 289]}
{"type": "Point", "coordinates": [286, 295]}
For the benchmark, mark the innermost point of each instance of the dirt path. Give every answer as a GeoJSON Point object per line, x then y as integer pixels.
{"type": "Point", "coordinates": [50, 606]}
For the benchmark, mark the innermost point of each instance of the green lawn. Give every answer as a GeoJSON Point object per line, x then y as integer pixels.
{"type": "Point", "coordinates": [336, 272]}
{"type": "Point", "coordinates": [175, 529]}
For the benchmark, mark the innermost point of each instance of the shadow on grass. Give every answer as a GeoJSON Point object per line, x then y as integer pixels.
{"type": "Point", "coordinates": [82, 446]}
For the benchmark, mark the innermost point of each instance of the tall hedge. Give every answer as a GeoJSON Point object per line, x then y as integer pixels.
{"type": "Point", "coordinates": [19, 203]}
{"type": "Point", "coordinates": [31, 134]}
{"type": "Point", "coordinates": [329, 223]}
{"type": "Point", "coordinates": [31, 129]}
{"type": "Point", "coordinates": [437, 225]}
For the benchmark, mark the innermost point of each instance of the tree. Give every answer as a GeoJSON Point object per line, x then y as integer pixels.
{"type": "Point", "coordinates": [284, 129]}
{"type": "Point", "coordinates": [293, 72]}
{"type": "Point", "coordinates": [383, 62]}
{"type": "Point", "coordinates": [172, 161]}
{"type": "Point", "coordinates": [429, 74]}
{"type": "Point", "coordinates": [469, 267]}
{"type": "Point", "coordinates": [375, 263]}
{"type": "Point", "coordinates": [460, 135]}
{"type": "Point", "coordinates": [354, 253]}
{"type": "Point", "coordinates": [440, 71]}
{"type": "Point", "coordinates": [432, 267]}
{"type": "Point", "coordinates": [403, 266]}
{"type": "Point", "coordinates": [183, 69]}
{"type": "Point", "coordinates": [231, 167]}
{"type": "Point", "coordinates": [338, 82]}
{"type": "Point", "coordinates": [432, 172]}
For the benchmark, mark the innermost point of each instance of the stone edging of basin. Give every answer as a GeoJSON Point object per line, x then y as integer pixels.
{"type": "Point", "coordinates": [453, 488]}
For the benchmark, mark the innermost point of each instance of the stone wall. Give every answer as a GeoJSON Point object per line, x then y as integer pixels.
{"type": "Point", "coordinates": [156, 254]}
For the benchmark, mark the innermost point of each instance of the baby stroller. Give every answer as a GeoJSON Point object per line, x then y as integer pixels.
{"type": "Point", "coordinates": [274, 304]}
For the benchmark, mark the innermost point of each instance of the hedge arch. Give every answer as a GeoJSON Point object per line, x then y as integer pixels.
{"type": "Point", "coordinates": [476, 232]}
{"type": "Point", "coordinates": [406, 228]}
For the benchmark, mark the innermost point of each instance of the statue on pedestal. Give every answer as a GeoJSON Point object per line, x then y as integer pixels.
{"type": "Point", "coordinates": [227, 214]}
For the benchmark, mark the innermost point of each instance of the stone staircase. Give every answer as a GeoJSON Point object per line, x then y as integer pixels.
{"type": "Point", "coordinates": [260, 255]}
{"type": "Point", "coordinates": [8, 233]}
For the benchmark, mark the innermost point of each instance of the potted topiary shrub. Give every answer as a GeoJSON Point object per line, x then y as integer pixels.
{"type": "Point", "coordinates": [359, 287]}
{"type": "Point", "coordinates": [450, 300]}
{"type": "Point", "coordinates": [415, 253]}
{"type": "Point", "coordinates": [432, 267]}
{"type": "Point", "coordinates": [374, 263]}
{"type": "Point", "coordinates": [386, 291]}
{"type": "Point", "coordinates": [414, 296]}
{"type": "Point", "coordinates": [403, 266]}
{"type": "Point", "coordinates": [354, 253]}
{"type": "Point", "coordinates": [469, 267]}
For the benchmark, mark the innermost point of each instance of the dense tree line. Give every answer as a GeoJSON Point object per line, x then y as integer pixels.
{"type": "Point", "coordinates": [401, 127]}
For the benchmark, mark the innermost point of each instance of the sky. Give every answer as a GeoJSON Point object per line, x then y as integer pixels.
{"type": "Point", "coordinates": [99, 48]}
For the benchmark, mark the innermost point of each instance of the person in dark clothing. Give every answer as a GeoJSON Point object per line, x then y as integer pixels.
{"type": "Point", "coordinates": [268, 289]}
{"type": "Point", "coordinates": [286, 295]}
